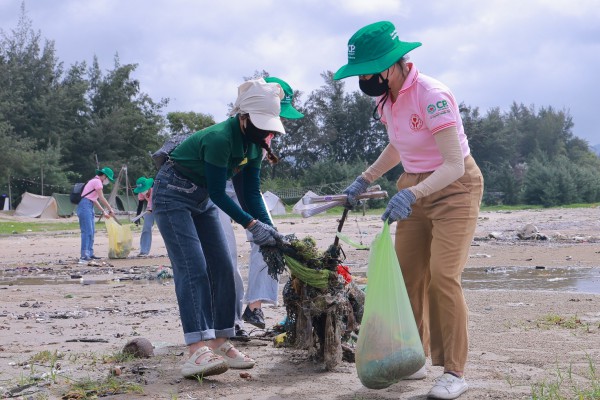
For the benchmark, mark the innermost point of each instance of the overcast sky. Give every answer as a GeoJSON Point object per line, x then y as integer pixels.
{"type": "Point", "coordinates": [196, 52]}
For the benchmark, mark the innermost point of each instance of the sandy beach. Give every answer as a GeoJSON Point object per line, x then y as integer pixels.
{"type": "Point", "coordinates": [534, 312]}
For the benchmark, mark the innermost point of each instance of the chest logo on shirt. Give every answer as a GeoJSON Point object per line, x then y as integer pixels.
{"type": "Point", "coordinates": [416, 123]}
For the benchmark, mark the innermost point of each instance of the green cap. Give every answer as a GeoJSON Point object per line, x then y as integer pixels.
{"type": "Point", "coordinates": [108, 172]}
{"type": "Point", "coordinates": [287, 110]}
{"type": "Point", "coordinates": [374, 49]}
{"type": "Point", "coordinates": [142, 184]}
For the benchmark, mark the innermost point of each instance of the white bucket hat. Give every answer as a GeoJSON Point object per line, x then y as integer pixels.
{"type": "Point", "coordinates": [262, 101]}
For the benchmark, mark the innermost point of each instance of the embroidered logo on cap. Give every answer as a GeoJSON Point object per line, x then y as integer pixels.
{"type": "Point", "coordinates": [351, 51]}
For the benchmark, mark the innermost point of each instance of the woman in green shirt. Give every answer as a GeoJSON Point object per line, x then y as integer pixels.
{"type": "Point", "coordinates": [187, 191]}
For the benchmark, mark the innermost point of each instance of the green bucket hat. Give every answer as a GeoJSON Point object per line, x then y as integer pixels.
{"type": "Point", "coordinates": [143, 184]}
{"type": "Point", "coordinates": [287, 110]}
{"type": "Point", "coordinates": [374, 49]}
{"type": "Point", "coordinates": [108, 172]}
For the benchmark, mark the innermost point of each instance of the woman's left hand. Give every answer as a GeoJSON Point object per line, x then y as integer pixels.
{"type": "Point", "coordinates": [399, 206]}
{"type": "Point", "coordinates": [264, 234]}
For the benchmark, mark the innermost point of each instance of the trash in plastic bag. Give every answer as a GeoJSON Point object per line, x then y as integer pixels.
{"type": "Point", "coordinates": [389, 347]}
{"type": "Point", "coordinates": [119, 239]}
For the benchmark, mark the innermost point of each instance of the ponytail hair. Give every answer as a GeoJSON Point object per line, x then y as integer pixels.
{"type": "Point", "coordinates": [273, 159]}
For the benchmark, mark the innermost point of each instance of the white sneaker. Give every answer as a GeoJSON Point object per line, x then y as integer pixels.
{"type": "Point", "coordinates": [448, 386]}
{"type": "Point", "coordinates": [420, 374]}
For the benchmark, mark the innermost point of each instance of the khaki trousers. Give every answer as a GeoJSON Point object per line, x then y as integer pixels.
{"type": "Point", "coordinates": [432, 247]}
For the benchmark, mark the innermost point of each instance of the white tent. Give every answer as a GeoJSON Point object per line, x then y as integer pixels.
{"type": "Point", "coordinates": [299, 206]}
{"type": "Point", "coordinates": [36, 206]}
{"type": "Point", "coordinates": [274, 203]}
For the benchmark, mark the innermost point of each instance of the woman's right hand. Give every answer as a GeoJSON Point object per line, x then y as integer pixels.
{"type": "Point", "coordinates": [356, 188]}
{"type": "Point", "coordinates": [264, 234]}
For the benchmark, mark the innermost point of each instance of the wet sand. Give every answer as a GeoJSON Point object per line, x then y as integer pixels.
{"type": "Point", "coordinates": [517, 292]}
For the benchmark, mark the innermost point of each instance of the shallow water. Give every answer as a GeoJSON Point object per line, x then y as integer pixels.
{"type": "Point", "coordinates": [579, 280]}
{"type": "Point", "coordinates": [76, 280]}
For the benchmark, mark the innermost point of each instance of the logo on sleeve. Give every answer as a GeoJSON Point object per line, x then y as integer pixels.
{"type": "Point", "coordinates": [416, 123]}
{"type": "Point", "coordinates": [439, 108]}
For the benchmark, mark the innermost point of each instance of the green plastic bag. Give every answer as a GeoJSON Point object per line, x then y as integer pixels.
{"type": "Point", "coordinates": [389, 347]}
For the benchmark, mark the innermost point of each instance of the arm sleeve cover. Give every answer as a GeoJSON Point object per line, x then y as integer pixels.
{"type": "Point", "coordinates": [140, 207]}
{"type": "Point", "coordinates": [451, 169]}
{"type": "Point", "coordinates": [387, 160]}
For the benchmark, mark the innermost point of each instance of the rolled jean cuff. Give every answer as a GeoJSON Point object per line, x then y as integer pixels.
{"type": "Point", "coordinates": [210, 334]}
{"type": "Point", "coordinates": [195, 337]}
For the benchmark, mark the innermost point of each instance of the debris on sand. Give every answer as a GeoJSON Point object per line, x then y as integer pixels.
{"type": "Point", "coordinates": [531, 232]}
{"type": "Point", "coordinates": [323, 306]}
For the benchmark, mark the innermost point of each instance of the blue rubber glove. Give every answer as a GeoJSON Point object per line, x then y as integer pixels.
{"type": "Point", "coordinates": [356, 188]}
{"type": "Point", "coordinates": [399, 206]}
{"type": "Point", "coordinates": [264, 234]}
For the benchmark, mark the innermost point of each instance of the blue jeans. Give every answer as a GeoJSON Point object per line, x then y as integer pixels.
{"type": "Point", "coordinates": [146, 238]}
{"type": "Point", "coordinates": [85, 213]}
{"type": "Point", "coordinates": [202, 269]}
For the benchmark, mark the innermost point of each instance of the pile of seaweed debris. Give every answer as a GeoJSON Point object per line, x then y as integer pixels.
{"type": "Point", "coordinates": [324, 306]}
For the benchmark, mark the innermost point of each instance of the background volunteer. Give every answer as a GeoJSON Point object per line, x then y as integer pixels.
{"type": "Point", "coordinates": [91, 196]}
{"type": "Point", "coordinates": [143, 188]}
{"type": "Point", "coordinates": [261, 288]}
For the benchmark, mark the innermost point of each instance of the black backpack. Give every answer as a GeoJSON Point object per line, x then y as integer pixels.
{"type": "Point", "coordinates": [75, 195]}
{"type": "Point", "coordinates": [161, 155]}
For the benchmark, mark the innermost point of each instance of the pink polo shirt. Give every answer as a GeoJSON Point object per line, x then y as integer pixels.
{"type": "Point", "coordinates": [93, 184]}
{"type": "Point", "coordinates": [424, 107]}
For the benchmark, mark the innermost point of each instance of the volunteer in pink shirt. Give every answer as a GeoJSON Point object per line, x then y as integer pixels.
{"type": "Point", "coordinates": [143, 188]}
{"type": "Point", "coordinates": [91, 196]}
{"type": "Point", "coordinates": [437, 205]}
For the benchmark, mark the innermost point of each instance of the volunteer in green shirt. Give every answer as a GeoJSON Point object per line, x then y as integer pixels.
{"type": "Point", "coordinates": [187, 191]}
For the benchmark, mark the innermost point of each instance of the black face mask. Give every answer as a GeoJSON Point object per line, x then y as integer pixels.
{"type": "Point", "coordinates": [372, 87]}
{"type": "Point", "coordinates": [254, 134]}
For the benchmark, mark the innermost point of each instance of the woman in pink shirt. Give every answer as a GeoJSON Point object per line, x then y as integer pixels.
{"type": "Point", "coordinates": [91, 196]}
{"type": "Point", "coordinates": [143, 188]}
{"type": "Point", "coordinates": [439, 196]}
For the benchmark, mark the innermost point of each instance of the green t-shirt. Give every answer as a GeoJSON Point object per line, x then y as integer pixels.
{"type": "Point", "coordinates": [221, 145]}
{"type": "Point", "coordinates": [211, 156]}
